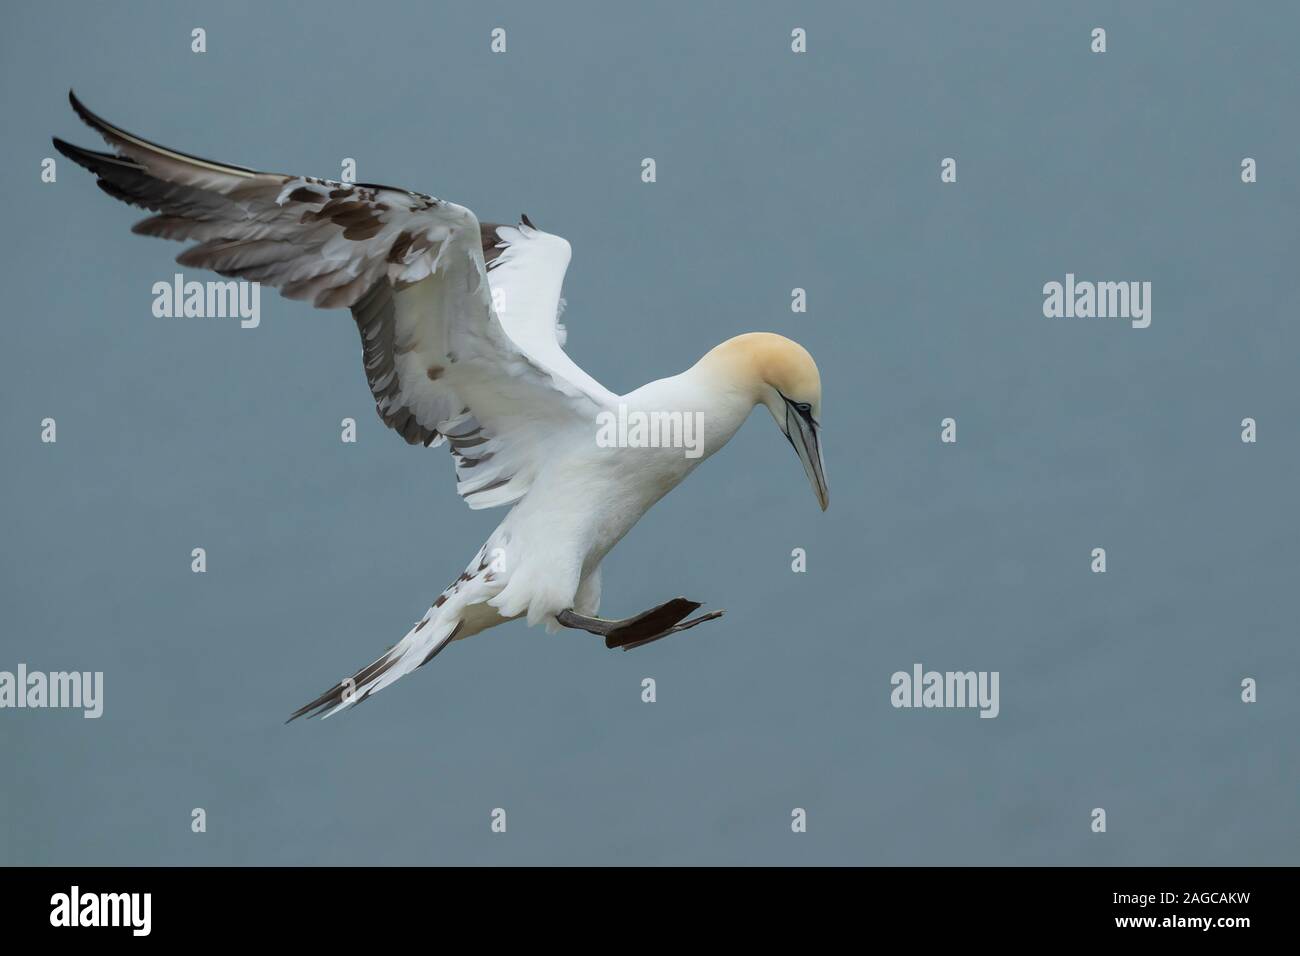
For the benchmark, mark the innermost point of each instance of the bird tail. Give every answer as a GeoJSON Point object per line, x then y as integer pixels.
{"type": "Point", "coordinates": [421, 644]}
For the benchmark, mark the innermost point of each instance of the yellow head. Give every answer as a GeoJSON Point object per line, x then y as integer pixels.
{"type": "Point", "coordinates": [782, 376]}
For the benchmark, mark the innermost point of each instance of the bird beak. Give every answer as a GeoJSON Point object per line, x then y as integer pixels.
{"type": "Point", "coordinates": [805, 436]}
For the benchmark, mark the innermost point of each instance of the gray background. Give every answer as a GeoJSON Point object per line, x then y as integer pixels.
{"type": "Point", "coordinates": [775, 170]}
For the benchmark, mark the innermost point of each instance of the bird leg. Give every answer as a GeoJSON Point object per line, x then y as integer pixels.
{"type": "Point", "coordinates": [645, 627]}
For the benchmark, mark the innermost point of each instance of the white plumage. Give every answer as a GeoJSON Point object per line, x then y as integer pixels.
{"type": "Point", "coordinates": [462, 345]}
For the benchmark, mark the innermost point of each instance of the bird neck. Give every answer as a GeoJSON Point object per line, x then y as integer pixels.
{"type": "Point", "coordinates": [724, 386]}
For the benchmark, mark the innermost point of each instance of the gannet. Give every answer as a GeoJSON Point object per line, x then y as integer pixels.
{"type": "Point", "coordinates": [462, 346]}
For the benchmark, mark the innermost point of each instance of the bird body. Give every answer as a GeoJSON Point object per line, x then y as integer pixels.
{"type": "Point", "coordinates": [462, 346]}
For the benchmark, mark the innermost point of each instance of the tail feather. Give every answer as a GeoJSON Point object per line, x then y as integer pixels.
{"type": "Point", "coordinates": [441, 625]}
{"type": "Point", "coordinates": [421, 644]}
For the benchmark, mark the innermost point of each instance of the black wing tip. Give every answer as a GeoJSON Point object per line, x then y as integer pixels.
{"type": "Point", "coordinates": [87, 117]}
{"type": "Point", "coordinates": [91, 119]}
{"type": "Point", "coordinates": [523, 217]}
{"type": "Point", "coordinates": [85, 158]}
{"type": "Point", "coordinates": [89, 158]}
{"type": "Point", "coordinates": [113, 134]}
{"type": "Point", "coordinates": [105, 167]}
{"type": "Point", "coordinates": [71, 150]}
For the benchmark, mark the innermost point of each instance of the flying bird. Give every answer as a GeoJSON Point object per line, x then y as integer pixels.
{"type": "Point", "coordinates": [462, 347]}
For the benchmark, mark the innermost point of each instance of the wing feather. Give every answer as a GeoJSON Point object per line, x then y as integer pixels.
{"type": "Point", "coordinates": [441, 361]}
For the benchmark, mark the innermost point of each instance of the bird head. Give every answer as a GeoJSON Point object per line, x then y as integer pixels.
{"type": "Point", "coordinates": [784, 378]}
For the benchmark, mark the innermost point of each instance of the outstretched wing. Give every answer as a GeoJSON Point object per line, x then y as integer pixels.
{"type": "Point", "coordinates": [441, 363]}
{"type": "Point", "coordinates": [526, 270]}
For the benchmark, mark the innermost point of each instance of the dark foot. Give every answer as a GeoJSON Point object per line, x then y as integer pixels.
{"type": "Point", "coordinates": [645, 627]}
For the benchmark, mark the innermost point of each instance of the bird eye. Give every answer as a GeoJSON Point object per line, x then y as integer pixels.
{"type": "Point", "coordinates": [803, 408]}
